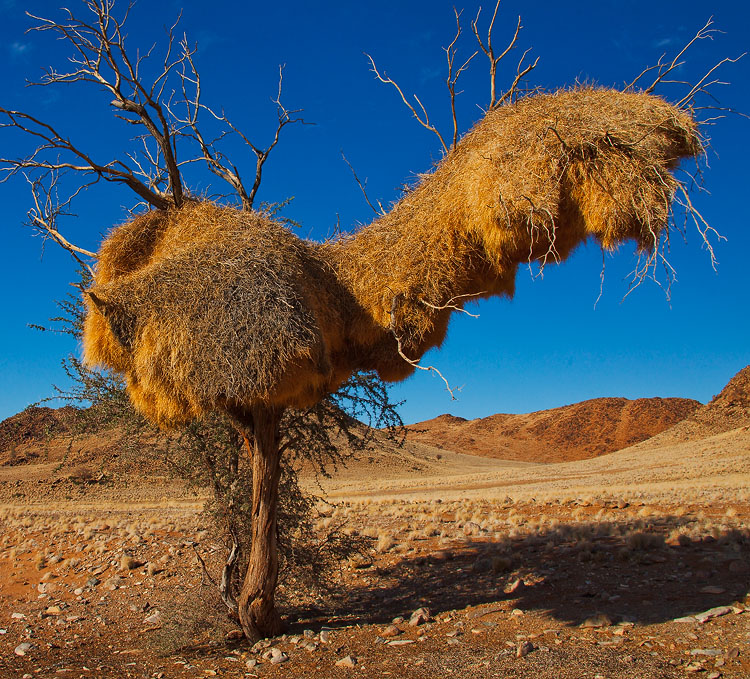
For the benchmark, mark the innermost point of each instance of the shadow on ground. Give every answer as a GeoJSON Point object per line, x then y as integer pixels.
{"type": "Point", "coordinates": [570, 572]}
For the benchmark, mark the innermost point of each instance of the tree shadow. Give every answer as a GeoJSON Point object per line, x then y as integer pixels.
{"type": "Point", "coordinates": [571, 573]}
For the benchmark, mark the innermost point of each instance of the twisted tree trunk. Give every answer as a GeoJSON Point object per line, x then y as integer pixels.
{"type": "Point", "coordinates": [257, 611]}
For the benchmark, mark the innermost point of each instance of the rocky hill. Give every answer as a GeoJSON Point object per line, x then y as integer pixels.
{"type": "Point", "coordinates": [575, 432]}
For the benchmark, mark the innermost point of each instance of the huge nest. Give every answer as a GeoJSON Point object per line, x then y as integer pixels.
{"type": "Point", "coordinates": [208, 307]}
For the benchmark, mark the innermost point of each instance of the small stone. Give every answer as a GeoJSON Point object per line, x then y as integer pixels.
{"type": "Point", "coordinates": [685, 618]}
{"type": "Point", "coordinates": [92, 582]}
{"type": "Point", "coordinates": [258, 646]}
{"type": "Point", "coordinates": [419, 617]}
{"type": "Point", "coordinates": [17, 616]}
{"type": "Point", "coordinates": [234, 635]}
{"type": "Point", "coordinates": [308, 634]}
{"type": "Point", "coordinates": [733, 652]}
{"type": "Point", "coordinates": [390, 631]}
{"type": "Point", "coordinates": [712, 589]}
{"type": "Point", "coordinates": [694, 667]}
{"type": "Point", "coordinates": [324, 637]}
{"type": "Point", "coordinates": [23, 649]}
{"type": "Point", "coordinates": [53, 610]}
{"type": "Point", "coordinates": [713, 675]}
{"type": "Point", "coordinates": [359, 561]}
{"type": "Point", "coordinates": [524, 648]}
{"type": "Point", "coordinates": [517, 586]}
{"type": "Point", "coordinates": [713, 613]}
{"type": "Point", "coordinates": [516, 613]}
{"type": "Point", "coordinates": [252, 663]}
{"type": "Point", "coordinates": [78, 591]}
{"type": "Point", "coordinates": [705, 651]}
{"type": "Point", "coordinates": [279, 658]}
{"type": "Point", "coordinates": [153, 619]}
{"type": "Point", "coordinates": [347, 661]}
{"type": "Point", "coordinates": [404, 642]}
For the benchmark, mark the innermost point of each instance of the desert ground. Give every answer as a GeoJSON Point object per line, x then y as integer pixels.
{"type": "Point", "coordinates": [613, 540]}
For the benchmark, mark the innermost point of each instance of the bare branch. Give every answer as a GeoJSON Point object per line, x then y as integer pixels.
{"type": "Point", "coordinates": [100, 57]}
{"type": "Point", "coordinates": [380, 210]}
{"type": "Point", "coordinates": [415, 362]}
{"type": "Point", "coordinates": [451, 303]}
{"type": "Point", "coordinates": [423, 120]}
{"type": "Point", "coordinates": [452, 79]}
{"type": "Point", "coordinates": [662, 69]}
{"type": "Point", "coordinates": [45, 212]}
{"type": "Point", "coordinates": [512, 92]}
{"type": "Point", "coordinates": [489, 50]}
{"type": "Point", "coordinates": [216, 161]}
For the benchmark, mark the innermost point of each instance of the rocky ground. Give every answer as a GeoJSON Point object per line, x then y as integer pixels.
{"type": "Point", "coordinates": [490, 589]}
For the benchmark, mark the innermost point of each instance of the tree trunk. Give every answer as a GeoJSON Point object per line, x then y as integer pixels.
{"type": "Point", "coordinates": [258, 615]}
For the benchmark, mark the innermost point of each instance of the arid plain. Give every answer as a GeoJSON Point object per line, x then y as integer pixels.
{"type": "Point", "coordinates": [605, 539]}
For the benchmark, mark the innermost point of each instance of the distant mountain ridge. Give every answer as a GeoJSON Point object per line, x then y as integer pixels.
{"type": "Point", "coordinates": [580, 431]}
{"type": "Point", "coordinates": [575, 432]}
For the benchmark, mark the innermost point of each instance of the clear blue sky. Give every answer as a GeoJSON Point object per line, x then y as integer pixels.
{"type": "Point", "coordinates": [547, 347]}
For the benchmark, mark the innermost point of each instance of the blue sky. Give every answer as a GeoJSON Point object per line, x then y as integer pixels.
{"type": "Point", "coordinates": [547, 347]}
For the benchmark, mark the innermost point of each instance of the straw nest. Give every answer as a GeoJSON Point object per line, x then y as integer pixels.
{"type": "Point", "coordinates": [207, 307]}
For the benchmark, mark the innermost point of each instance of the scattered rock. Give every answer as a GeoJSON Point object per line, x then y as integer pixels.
{"type": "Point", "coordinates": [402, 642]}
{"type": "Point", "coordinates": [153, 619]}
{"type": "Point", "coordinates": [235, 635]}
{"type": "Point", "coordinates": [713, 613]}
{"type": "Point", "coordinates": [524, 648]}
{"type": "Point", "coordinates": [705, 651]}
{"type": "Point", "coordinates": [390, 631]}
{"type": "Point", "coordinates": [17, 616]}
{"type": "Point", "coordinates": [324, 637]}
{"type": "Point", "coordinates": [251, 664]}
{"type": "Point", "coordinates": [359, 561]}
{"type": "Point", "coordinates": [419, 617]}
{"type": "Point", "coordinates": [517, 586]}
{"type": "Point", "coordinates": [24, 648]}
{"type": "Point", "coordinates": [347, 661]}
{"type": "Point", "coordinates": [516, 613]}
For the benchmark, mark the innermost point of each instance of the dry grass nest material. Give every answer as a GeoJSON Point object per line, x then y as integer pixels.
{"type": "Point", "coordinates": [208, 307]}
